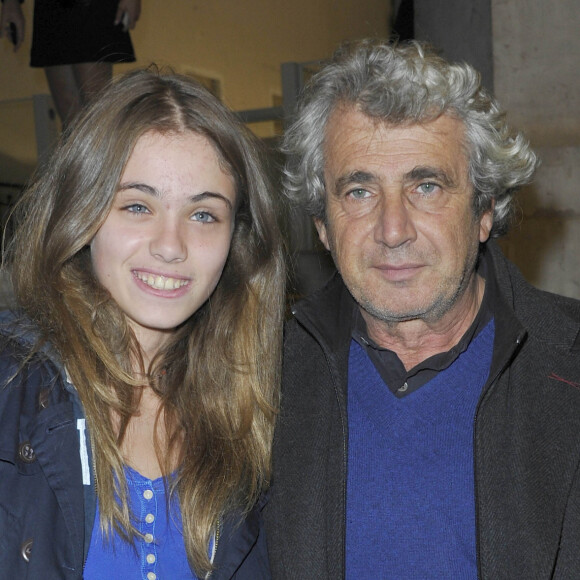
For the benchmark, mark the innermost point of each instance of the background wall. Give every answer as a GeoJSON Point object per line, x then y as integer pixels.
{"type": "Point", "coordinates": [240, 43]}
{"type": "Point", "coordinates": [536, 56]}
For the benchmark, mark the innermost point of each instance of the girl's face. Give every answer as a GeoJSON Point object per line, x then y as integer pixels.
{"type": "Point", "coordinates": [162, 249]}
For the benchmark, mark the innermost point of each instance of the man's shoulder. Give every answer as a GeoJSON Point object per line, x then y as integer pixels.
{"type": "Point", "coordinates": [325, 312]}
{"type": "Point", "coordinates": [547, 313]}
{"type": "Point", "coordinates": [541, 312]}
{"type": "Point", "coordinates": [299, 342]}
{"type": "Point", "coordinates": [569, 306]}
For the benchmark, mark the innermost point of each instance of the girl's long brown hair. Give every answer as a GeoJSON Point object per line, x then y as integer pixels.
{"type": "Point", "coordinates": [218, 376]}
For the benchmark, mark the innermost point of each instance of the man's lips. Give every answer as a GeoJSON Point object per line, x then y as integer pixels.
{"type": "Point", "coordinates": [399, 272]}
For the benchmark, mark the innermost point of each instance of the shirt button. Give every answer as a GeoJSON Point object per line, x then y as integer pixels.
{"type": "Point", "coordinates": [148, 538]}
{"type": "Point", "coordinates": [150, 558]}
{"type": "Point", "coordinates": [149, 518]}
{"type": "Point", "coordinates": [147, 494]}
{"type": "Point", "coordinates": [403, 388]}
{"type": "Point", "coordinates": [151, 576]}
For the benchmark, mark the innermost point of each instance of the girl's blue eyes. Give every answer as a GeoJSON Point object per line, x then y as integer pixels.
{"type": "Point", "coordinates": [203, 216]}
{"type": "Point", "coordinates": [137, 208]}
{"type": "Point", "coordinates": [199, 216]}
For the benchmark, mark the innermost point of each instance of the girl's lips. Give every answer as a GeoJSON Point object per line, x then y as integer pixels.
{"type": "Point", "coordinates": [159, 282]}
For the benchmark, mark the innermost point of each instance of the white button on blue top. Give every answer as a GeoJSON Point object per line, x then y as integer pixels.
{"type": "Point", "coordinates": [157, 553]}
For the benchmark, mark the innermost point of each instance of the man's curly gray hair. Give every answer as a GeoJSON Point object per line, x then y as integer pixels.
{"type": "Point", "coordinates": [407, 83]}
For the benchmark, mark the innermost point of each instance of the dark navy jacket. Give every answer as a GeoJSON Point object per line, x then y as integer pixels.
{"type": "Point", "coordinates": [44, 518]}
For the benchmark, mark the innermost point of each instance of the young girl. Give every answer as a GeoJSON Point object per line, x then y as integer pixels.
{"type": "Point", "coordinates": [141, 372]}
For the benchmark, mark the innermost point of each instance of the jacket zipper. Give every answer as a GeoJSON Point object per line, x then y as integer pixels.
{"type": "Point", "coordinates": [344, 424]}
{"type": "Point", "coordinates": [95, 481]}
{"type": "Point", "coordinates": [217, 538]}
{"type": "Point", "coordinates": [518, 341]}
{"type": "Point", "coordinates": [215, 545]}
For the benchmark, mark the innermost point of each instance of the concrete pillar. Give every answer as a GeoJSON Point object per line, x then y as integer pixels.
{"type": "Point", "coordinates": [536, 50]}
{"type": "Point", "coordinates": [461, 29]}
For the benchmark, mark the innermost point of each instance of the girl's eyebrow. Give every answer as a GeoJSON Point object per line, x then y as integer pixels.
{"type": "Point", "coordinates": [211, 194]}
{"type": "Point", "coordinates": [150, 190]}
{"type": "Point", "coordinates": [140, 186]}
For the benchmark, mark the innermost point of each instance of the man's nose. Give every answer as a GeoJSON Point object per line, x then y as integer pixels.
{"type": "Point", "coordinates": [395, 224]}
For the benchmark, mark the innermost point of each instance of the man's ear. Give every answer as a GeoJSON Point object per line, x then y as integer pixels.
{"type": "Point", "coordinates": [486, 223]}
{"type": "Point", "coordinates": [322, 234]}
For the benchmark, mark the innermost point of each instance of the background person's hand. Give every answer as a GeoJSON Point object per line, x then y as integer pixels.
{"type": "Point", "coordinates": [128, 13]}
{"type": "Point", "coordinates": [12, 16]}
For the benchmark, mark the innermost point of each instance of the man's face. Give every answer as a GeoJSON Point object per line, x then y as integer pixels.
{"type": "Point", "coordinates": [400, 221]}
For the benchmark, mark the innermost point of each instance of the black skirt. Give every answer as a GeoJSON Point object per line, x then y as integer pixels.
{"type": "Point", "coordinates": [76, 31]}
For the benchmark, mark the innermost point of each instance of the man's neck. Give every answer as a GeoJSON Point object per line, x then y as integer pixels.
{"type": "Point", "coordinates": [416, 340]}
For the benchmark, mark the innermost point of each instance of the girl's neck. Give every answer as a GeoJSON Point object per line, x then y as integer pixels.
{"type": "Point", "coordinates": [150, 341]}
{"type": "Point", "coordinates": [138, 446]}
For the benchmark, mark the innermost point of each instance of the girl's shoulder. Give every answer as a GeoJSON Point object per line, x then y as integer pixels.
{"type": "Point", "coordinates": [26, 365]}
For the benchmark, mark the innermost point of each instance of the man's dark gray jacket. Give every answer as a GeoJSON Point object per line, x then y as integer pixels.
{"type": "Point", "coordinates": [526, 437]}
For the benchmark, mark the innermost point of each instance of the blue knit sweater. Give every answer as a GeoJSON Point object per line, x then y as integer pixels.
{"type": "Point", "coordinates": [410, 488]}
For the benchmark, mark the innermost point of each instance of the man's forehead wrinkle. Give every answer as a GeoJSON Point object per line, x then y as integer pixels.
{"type": "Point", "coordinates": [348, 139]}
{"type": "Point", "coordinates": [358, 147]}
{"type": "Point", "coordinates": [373, 135]}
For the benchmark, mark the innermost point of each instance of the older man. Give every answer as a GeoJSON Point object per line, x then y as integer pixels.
{"type": "Point", "coordinates": [430, 422]}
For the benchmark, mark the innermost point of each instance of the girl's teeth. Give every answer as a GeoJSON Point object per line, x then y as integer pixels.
{"type": "Point", "coordinates": [161, 282]}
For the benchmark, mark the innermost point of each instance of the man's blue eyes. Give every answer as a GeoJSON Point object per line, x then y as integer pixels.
{"type": "Point", "coordinates": [359, 193]}
{"type": "Point", "coordinates": [427, 187]}
{"type": "Point", "coordinates": [424, 188]}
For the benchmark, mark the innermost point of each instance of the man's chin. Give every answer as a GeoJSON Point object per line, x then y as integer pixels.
{"type": "Point", "coordinates": [412, 308]}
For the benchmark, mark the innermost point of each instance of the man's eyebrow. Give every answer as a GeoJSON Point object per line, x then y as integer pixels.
{"type": "Point", "coordinates": [427, 172]}
{"type": "Point", "coordinates": [150, 190]}
{"type": "Point", "coordinates": [361, 177]}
